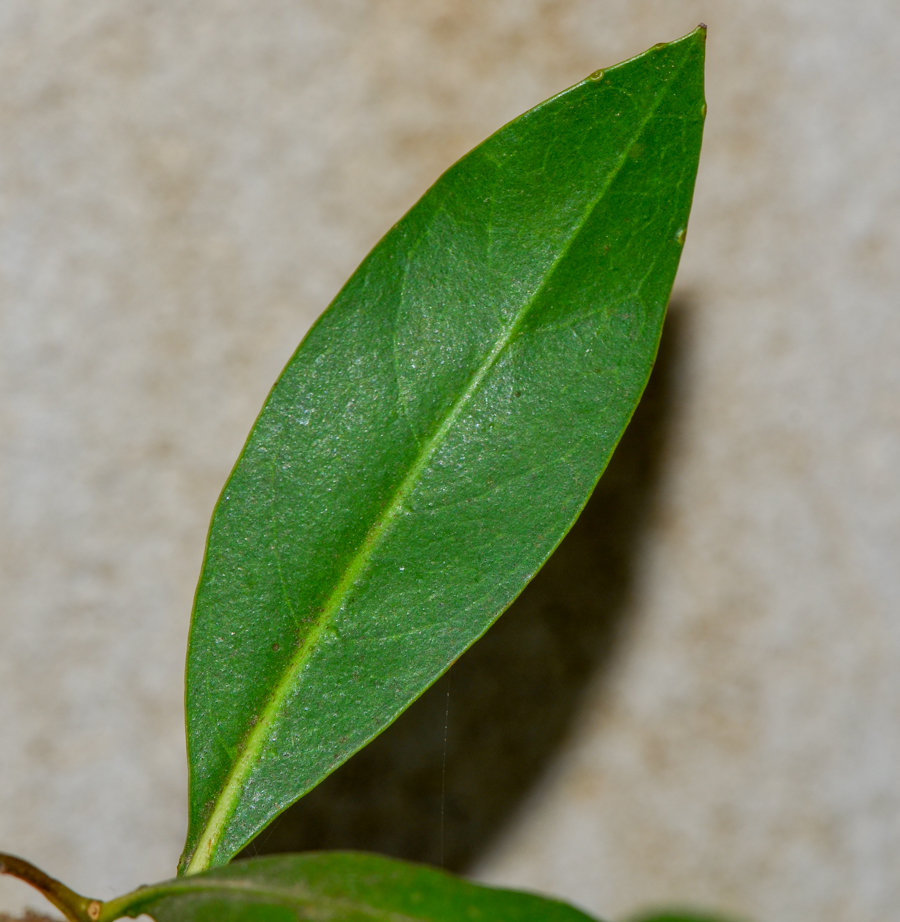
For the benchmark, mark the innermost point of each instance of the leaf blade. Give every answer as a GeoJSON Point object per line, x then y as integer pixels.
{"type": "Point", "coordinates": [338, 886]}
{"type": "Point", "coordinates": [434, 437]}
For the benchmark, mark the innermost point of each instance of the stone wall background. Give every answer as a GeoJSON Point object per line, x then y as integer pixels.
{"type": "Point", "coordinates": [184, 186]}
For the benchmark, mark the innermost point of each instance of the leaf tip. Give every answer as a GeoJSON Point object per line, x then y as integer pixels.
{"type": "Point", "coordinates": [699, 34]}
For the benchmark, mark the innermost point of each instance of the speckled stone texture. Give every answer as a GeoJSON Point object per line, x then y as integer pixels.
{"type": "Point", "coordinates": [700, 701]}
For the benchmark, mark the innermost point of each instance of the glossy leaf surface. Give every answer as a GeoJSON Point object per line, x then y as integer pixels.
{"type": "Point", "coordinates": [337, 887]}
{"type": "Point", "coordinates": [435, 436]}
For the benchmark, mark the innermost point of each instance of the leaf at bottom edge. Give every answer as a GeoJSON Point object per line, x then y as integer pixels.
{"type": "Point", "coordinates": [334, 887]}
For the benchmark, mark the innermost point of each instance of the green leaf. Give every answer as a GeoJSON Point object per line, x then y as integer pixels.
{"type": "Point", "coordinates": [333, 886]}
{"type": "Point", "coordinates": [435, 436]}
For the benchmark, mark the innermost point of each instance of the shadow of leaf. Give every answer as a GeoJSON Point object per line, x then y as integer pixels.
{"type": "Point", "coordinates": [440, 783]}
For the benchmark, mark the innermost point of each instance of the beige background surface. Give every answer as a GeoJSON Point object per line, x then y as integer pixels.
{"type": "Point", "coordinates": [183, 187]}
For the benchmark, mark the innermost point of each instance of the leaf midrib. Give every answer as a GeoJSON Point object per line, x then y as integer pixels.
{"type": "Point", "coordinates": [226, 803]}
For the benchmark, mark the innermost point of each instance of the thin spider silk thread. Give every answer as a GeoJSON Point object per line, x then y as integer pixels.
{"type": "Point", "coordinates": [444, 766]}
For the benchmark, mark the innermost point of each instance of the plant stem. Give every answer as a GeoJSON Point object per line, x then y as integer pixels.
{"type": "Point", "coordinates": [74, 907]}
